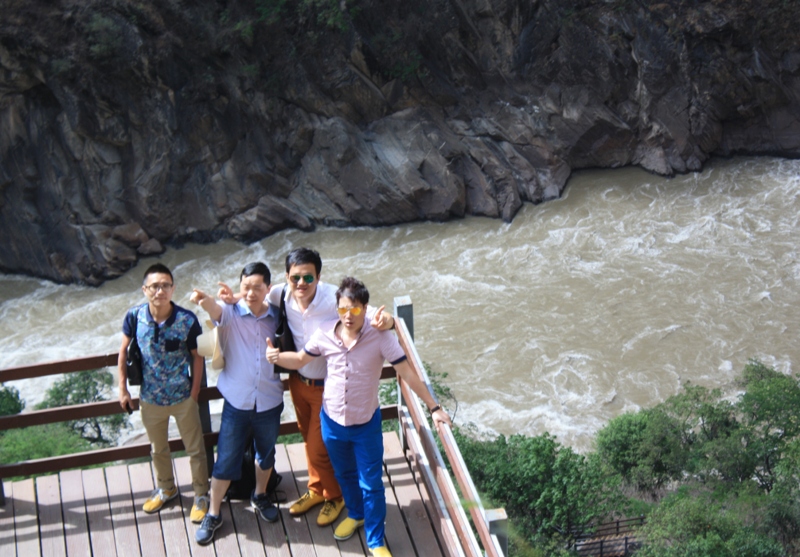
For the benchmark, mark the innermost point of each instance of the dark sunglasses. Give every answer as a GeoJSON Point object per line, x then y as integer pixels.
{"type": "Point", "coordinates": [308, 279]}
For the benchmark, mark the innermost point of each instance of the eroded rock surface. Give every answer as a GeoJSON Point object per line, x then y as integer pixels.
{"type": "Point", "coordinates": [125, 126]}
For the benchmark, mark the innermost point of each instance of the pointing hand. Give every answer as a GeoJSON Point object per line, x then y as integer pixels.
{"type": "Point", "coordinates": [226, 294]}
{"type": "Point", "coordinates": [380, 319]}
{"type": "Point", "coordinates": [198, 296]}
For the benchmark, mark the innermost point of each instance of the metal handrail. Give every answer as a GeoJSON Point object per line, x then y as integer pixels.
{"type": "Point", "coordinates": [469, 493]}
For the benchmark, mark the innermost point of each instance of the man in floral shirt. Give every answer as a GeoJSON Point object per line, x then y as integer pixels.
{"type": "Point", "coordinates": [172, 372]}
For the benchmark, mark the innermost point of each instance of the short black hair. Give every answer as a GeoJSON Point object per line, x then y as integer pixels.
{"type": "Point", "coordinates": [303, 256]}
{"type": "Point", "coordinates": [257, 268]}
{"type": "Point", "coordinates": [353, 289]}
{"type": "Point", "coordinates": [157, 268]}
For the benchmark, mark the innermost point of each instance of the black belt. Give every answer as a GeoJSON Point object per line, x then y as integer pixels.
{"type": "Point", "coordinates": [309, 382]}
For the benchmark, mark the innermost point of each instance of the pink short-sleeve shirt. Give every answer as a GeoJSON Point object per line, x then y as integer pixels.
{"type": "Point", "coordinates": [351, 385]}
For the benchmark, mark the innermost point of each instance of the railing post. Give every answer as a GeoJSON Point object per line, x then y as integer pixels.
{"type": "Point", "coordinates": [498, 527]}
{"type": "Point", "coordinates": [404, 309]}
{"type": "Point", "coordinates": [205, 421]}
{"type": "Point", "coordinates": [2, 494]}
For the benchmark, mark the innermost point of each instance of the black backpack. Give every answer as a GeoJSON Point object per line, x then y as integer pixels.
{"type": "Point", "coordinates": [242, 488]}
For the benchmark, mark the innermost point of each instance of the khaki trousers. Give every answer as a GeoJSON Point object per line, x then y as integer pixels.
{"type": "Point", "coordinates": [307, 407]}
{"type": "Point", "coordinates": [155, 419]}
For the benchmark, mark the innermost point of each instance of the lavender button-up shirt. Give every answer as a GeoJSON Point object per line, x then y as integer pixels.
{"type": "Point", "coordinates": [351, 387]}
{"type": "Point", "coordinates": [248, 380]}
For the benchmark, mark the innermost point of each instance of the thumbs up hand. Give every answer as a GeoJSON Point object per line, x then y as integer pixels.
{"type": "Point", "coordinates": [272, 352]}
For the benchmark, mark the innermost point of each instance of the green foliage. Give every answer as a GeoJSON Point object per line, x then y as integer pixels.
{"type": "Point", "coordinates": [82, 388]}
{"type": "Point", "coordinates": [41, 441]}
{"type": "Point", "coordinates": [543, 486]}
{"type": "Point", "coordinates": [730, 470]}
{"type": "Point", "coordinates": [10, 402]}
{"type": "Point", "coordinates": [684, 526]}
{"type": "Point", "coordinates": [646, 449]}
{"type": "Point", "coordinates": [696, 433]}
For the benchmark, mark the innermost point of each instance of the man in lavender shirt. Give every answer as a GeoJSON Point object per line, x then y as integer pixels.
{"type": "Point", "coordinates": [253, 394]}
{"type": "Point", "coordinates": [351, 419]}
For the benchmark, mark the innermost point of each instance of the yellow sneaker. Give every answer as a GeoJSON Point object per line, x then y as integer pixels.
{"type": "Point", "coordinates": [330, 512]}
{"type": "Point", "coordinates": [347, 528]}
{"type": "Point", "coordinates": [308, 501]}
{"type": "Point", "coordinates": [158, 498]}
{"type": "Point", "coordinates": [381, 551]}
{"type": "Point", "coordinates": [199, 509]}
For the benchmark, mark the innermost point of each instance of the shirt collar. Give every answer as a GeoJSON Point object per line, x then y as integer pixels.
{"type": "Point", "coordinates": [243, 309]}
{"type": "Point", "coordinates": [170, 320]}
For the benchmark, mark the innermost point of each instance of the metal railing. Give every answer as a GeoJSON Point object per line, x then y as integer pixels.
{"type": "Point", "coordinates": [616, 538]}
{"type": "Point", "coordinates": [417, 435]}
{"type": "Point", "coordinates": [455, 533]}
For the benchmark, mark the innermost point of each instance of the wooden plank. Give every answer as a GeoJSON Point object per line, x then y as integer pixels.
{"type": "Point", "coordinates": [431, 498]}
{"type": "Point", "coordinates": [274, 535]}
{"type": "Point", "coordinates": [248, 534]}
{"type": "Point", "coordinates": [151, 539]}
{"type": "Point", "coordinates": [176, 541]}
{"type": "Point", "coordinates": [322, 538]}
{"type": "Point", "coordinates": [26, 524]}
{"type": "Point", "coordinates": [296, 527]}
{"type": "Point", "coordinates": [7, 533]}
{"type": "Point", "coordinates": [98, 512]}
{"type": "Point", "coordinates": [123, 516]}
{"type": "Point", "coordinates": [397, 536]}
{"type": "Point", "coordinates": [225, 541]}
{"type": "Point", "coordinates": [183, 478]}
{"type": "Point", "coordinates": [409, 499]}
{"type": "Point", "coordinates": [76, 526]}
{"type": "Point", "coordinates": [51, 521]}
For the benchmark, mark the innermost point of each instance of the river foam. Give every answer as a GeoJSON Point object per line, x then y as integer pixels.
{"type": "Point", "coordinates": [599, 303]}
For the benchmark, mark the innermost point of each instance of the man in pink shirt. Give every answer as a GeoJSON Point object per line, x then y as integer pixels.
{"type": "Point", "coordinates": [350, 419]}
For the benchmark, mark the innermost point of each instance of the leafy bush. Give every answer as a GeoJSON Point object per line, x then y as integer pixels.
{"type": "Point", "coordinates": [82, 388]}
{"type": "Point", "coordinates": [687, 526]}
{"type": "Point", "coordinates": [40, 441]}
{"type": "Point", "coordinates": [647, 449]}
{"type": "Point", "coordinates": [544, 486]}
{"type": "Point", "coordinates": [10, 402]}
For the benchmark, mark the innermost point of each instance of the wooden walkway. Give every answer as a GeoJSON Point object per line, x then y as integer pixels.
{"type": "Point", "coordinates": [98, 512]}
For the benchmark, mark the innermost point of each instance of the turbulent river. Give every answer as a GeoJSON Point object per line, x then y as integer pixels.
{"type": "Point", "coordinates": [600, 303]}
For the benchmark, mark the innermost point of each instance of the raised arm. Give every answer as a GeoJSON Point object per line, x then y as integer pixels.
{"type": "Point", "coordinates": [207, 303]}
{"type": "Point", "coordinates": [288, 360]}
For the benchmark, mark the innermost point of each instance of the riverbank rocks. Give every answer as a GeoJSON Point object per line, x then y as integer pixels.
{"type": "Point", "coordinates": [129, 126]}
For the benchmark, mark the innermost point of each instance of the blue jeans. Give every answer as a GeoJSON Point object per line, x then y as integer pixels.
{"type": "Point", "coordinates": [356, 453]}
{"type": "Point", "coordinates": [234, 432]}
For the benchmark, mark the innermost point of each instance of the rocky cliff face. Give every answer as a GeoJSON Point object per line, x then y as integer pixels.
{"type": "Point", "coordinates": [125, 126]}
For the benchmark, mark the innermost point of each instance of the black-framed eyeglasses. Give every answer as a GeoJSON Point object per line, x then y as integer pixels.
{"type": "Point", "coordinates": [155, 287]}
{"type": "Point", "coordinates": [308, 279]}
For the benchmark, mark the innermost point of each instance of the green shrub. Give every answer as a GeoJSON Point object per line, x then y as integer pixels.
{"type": "Point", "coordinates": [10, 402]}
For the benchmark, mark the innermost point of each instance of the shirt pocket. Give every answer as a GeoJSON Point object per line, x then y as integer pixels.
{"type": "Point", "coordinates": [172, 344]}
